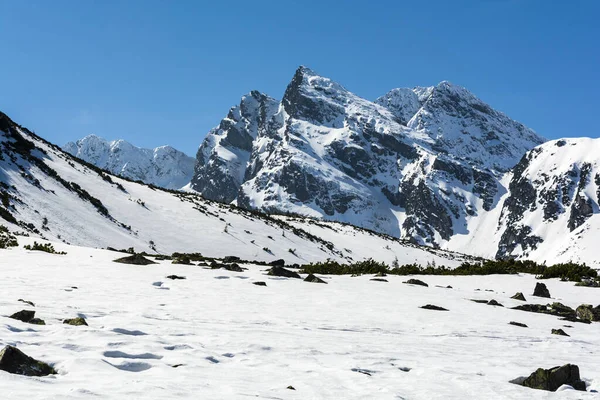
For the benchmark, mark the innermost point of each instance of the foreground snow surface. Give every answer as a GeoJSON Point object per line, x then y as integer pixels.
{"type": "Point", "coordinates": [235, 340]}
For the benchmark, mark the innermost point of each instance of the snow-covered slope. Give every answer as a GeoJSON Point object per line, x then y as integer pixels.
{"type": "Point", "coordinates": [47, 192]}
{"type": "Point", "coordinates": [417, 164]}
{"type": "Point", "coordinates": [551, 212]}
{"type": "Point", "coordinates": [229, 339]}
{"type": "Point", "coordinates": [163, 166]}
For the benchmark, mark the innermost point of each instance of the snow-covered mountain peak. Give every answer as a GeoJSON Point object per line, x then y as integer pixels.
{"type": "Point", "coordinates": [416, 163]}
{"type": "Point", "coordinates": [163, 166]}
{"type": "Point", "coordinates": [402, 102]}
{"type": "Point", "coordinates": [312, 97]}
{"type": "Point", "coordinates": [462, 125]}
{"type": "Point", "coordinates": [223, 156]}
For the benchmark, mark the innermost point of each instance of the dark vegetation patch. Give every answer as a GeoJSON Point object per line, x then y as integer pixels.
{"type": "Point", "coordinates": [46, 247]}
{"type": "Point", "coordinates": [7, 239]}
{"type": "Point", "coordinates": [567, 272]}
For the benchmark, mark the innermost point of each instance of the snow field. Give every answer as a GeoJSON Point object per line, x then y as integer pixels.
{"type": "Point", "coordinates": [232, 339]}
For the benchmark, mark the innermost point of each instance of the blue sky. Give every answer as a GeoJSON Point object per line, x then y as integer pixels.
{"type": "Point", "coordinates": [164, 72]}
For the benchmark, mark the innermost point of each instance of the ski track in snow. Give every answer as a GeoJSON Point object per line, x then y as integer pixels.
{"type": "Point", "coordinates": [351, 339]}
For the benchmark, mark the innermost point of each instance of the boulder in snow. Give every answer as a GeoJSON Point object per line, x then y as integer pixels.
{"type": "Point", "coordinates": [280, 271]}
{"type": "Point", "coordinates": [553, 378]}
{"type": "Point", "coordinates": [416, 282]}
{"type": "Point", "coordinates": [136, 259]}
{"type": "Point", "coordinates": [519, 296]}
{"type": "Point", "coordinates": [75, 321]}
{"type": "Point", "coordinates": [541, 290]}
{"type": "Point", "coordinates": [14, 361]}
{"type": "Point", "coordinates": [313, 279]}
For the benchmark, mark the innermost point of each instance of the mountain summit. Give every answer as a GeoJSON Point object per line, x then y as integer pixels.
{"type": "Point", "coordinates": [163, 166]}
{"type": "Point", "coordinates": [416, 163]}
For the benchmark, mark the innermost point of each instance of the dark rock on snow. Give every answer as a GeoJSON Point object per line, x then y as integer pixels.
{"type": "Point", "coordinates": [479, 301]}
{"type": "Point", "coordinates": [536, 308]}
{"type": "Point", "coordinates": [23, 315]}
{"type": "Point", "coordinates": [277, 263]}
{"type": "Point", "coordinates": [556, 309]}
{"type": "Point", "coordinates": [518, 324]}
{"type": "Point", "coordinates": [541, 290]}
{"type": "Point", "coordinates": [280, 271]}
{"type": "Point", "coordinates": [378, 280]}
{"type": "Point", "coordinates": [494, 303]}
{"type": "Point", "coordinates": [231, 259]}
{"type": "Point", "coordinates": [233, 267]}
{"type": "Point", "coordinates": [433, 307]}
{"type": "Point", "coordinates": [588, 313]}
{"type": "Point", "coordinates": [75, 321]}
{"type": "Point", "coordinates": [37, 321]}
{"type": "Point", "coordinates": [416, 282]}
{"type": "Point", "coordinates": [136, 259]}
{"type": "Point", "coordinates": [519, 296]}
{"type": "Point", "coordinates": [314, 279]}
{"type": "Point", "coordinates": [174, 277]}
{"type": "Point", "coordinates": [259, 283]}
{"type": "Point", "coordinates": [563, 311]}
{"type": "Point", "coordinates": [14, 361]}
{"type": "Point", "coordinates": [553, 378]}
{"type": "Point", "coordinates": [559, 332]}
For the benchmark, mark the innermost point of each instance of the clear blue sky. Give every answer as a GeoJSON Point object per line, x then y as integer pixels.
{"type": "Point", "coordinates": [165, 72]}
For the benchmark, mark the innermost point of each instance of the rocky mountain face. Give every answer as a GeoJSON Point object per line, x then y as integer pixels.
{"type": "Point", "coordinates": [416, 163]}
{"type": "Point", "coordinates": [163, 166]}
{"type": "Point", "coordinates": [224, 155]}
{"type": "Point", "coordinates": [551, 209]}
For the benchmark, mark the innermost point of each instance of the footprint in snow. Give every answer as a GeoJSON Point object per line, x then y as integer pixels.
{"type": "Point", "coordinates": [221, 277]}
{"type": "Point", "coordinates": [131, 366]}
{"type": "Point", "coordinates": [213, 360]}
{"type": "Point", "coordinates": [363, 371]}
{"type": "Point", "coordinates": [121, 354]}
{"type": "Point", "coordinates": [17, 330]}
{"type": "Point", "coordinates": [128, 332]}
{"type": "Point", "coordinates": [178, 347]}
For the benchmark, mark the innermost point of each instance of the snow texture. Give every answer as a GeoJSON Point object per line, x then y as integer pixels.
{"type": "Point", "coordinates": [216, 335]}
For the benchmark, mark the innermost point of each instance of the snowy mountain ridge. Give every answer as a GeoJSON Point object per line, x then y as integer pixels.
{"type": "Point", "coordinates": [163, 166]}
{"type": "Point", "coordinates": [48, 193]}
{"type": "Point", "coordinates": [419, 164]}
